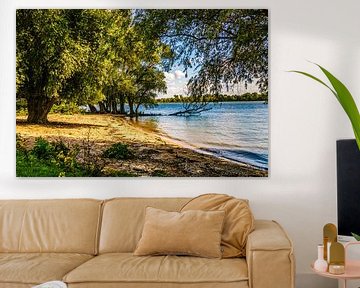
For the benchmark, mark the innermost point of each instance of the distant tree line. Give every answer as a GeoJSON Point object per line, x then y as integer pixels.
{"type": "Point", "coordinates": [217, 98]}
{"type": "Point", "coordinates": [109, 58]}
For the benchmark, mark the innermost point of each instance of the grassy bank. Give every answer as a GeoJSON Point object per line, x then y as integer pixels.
{"type": "Point", "coordinates": [105, 145]}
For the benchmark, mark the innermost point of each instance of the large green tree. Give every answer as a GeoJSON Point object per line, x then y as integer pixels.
{"type": "Point", "coordinates": [224, 47]}
{"type": "Point", "coordinates": [136, 75]}
{"type": "Point", "coordinates": [151, 83]}
{"type": "Point", "coordinates": [64, 54]}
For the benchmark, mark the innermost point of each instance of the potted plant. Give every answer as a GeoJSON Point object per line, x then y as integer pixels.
{"type": "Point", "coordinates": [346, 100]}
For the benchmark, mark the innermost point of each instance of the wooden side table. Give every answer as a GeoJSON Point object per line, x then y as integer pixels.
{"type": "Point", "coordinates": [352, 268]}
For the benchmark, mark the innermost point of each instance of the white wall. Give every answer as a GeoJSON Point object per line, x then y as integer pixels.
{"type": "Point", "coordinates": [305, 120]}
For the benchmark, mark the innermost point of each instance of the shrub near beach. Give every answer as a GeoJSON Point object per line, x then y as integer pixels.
{"type": "Point", "coordinates": [51, 159]}
{"type": "Point", "coordinates": [118, 151]}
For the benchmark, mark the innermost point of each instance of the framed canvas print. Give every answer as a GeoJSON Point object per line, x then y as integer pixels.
{"type": "Point", "coordinates": [142, 92]}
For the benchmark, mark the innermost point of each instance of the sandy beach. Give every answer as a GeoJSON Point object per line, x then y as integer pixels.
{"type": "Point", "coordinates": [154, 154]}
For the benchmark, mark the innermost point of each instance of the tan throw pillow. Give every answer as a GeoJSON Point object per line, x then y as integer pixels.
{"type": "Point", "coordinates": [239, 220]}
{"type": "Point", "coordinates": [196, 233]}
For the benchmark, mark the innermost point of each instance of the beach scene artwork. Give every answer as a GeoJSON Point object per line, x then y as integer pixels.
{"type": "Point", "coordinates": [142, 93]}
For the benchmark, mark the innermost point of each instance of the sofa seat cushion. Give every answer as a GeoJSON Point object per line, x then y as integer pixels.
{"type": "Point", "coordinates": [36, 268]}
{"type": "Point", "coordinates": [127, 268]}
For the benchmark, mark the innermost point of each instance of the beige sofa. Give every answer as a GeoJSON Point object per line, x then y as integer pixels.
{"type": "Point", "coordinates": [89, 243]}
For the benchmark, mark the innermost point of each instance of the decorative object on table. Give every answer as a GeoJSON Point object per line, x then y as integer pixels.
{"type": "Point", "coordinates": [344, 273]}
{"type": "Point", "coordinates": [52, 284]}
{"type": "Point", "coordinates": [336, 269]}
{"type": "Point", "coordinates": [333, 251]}
{"type": "Point", "coordinates": [337, 258]}
{"type": "Point", "coordinates": [320, 264]}
{"type": "Point", "coordinates": [329, 236]}
{"type": "Point", "coordinates": [344, 97]}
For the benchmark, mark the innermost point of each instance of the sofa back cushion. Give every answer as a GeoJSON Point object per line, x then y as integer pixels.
{"type": "Point", "coordinates": [123, 220]}
{"type": "Point", "coordinates": [193, 232]}
{"type": "Point", "coordinates": [238, 224]}
{"type": "Point", "coordinates": [66, 226]}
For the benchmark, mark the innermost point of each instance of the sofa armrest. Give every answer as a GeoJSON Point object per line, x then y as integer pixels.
{"type": "Point", "coordinates": [269, 256]}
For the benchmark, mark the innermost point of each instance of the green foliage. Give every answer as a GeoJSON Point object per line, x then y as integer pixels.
{"type": "Point", "coordinates": [30, 166]}
{"type": "Point", "coordinates": [226, 46]}
{"type": "Point", "coordinates": [64, 54]}
{"type": "Point", "coordinates": [118, 151]}
{"type": "Point", "coordinates": [20, 143]}
{"type": "Point", "coordinates": [54, 159]}
{"type": "Point", "coordinates": [136, 76]}
{"type": "Point", "coordinates": [66, 108]}
{"type": "Point", "coordinates": [83, 57]}
{"type": "Point", "coordinates": [21, 104]}
{"type": "Point", "coordinates": [55, 154]}
{"type": "Point", "coordinates": [356, 236]}
{"type": "Point", "coordinates": [44, 159]}
{"type": "Point", "coordinates": [159, 173]}
{"type": "Point", "coordinates": [43, 149]}
{"type": "Point", "coordinates": [21, 107]}
{"type": "Point", "coordinates": [60, 147]}
{"type": "Point", "coordinates": [344, 97]}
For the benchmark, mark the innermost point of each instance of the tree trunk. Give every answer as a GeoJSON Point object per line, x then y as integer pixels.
{"type": "Point", "coordinates": [122, 108]}
{"type": "Point", "coordinates": [107, 106]}
{"type": "Point", "coordinates": [38, 108]}
{"type": "Point", "coordinates": [122, 104]}
{"type": "Point", "coordinates": [92, 108]}
{"type": "Point", "coordinates": [102, 108]}
{"type": "Point", "coordinates": [137, 109]}
{"type": "Point", "coordinates": [131, 106]}
{"type": "Point", "coordinates": [114, 107]}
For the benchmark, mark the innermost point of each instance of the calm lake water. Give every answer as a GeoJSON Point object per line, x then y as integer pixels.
{"type": "Point", "coordinates": [233, 130]}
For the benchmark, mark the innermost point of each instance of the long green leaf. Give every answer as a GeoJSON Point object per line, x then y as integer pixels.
{"type": "Point", "coordinates": [344, 97]}
{"type": "Point", "coordinates": [316, 79]}
{"type": "Point", "coordinates": [347, 102]}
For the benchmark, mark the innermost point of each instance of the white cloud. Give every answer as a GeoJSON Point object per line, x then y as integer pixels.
{"type": "Point", "coordinates": [179, 74]}
{"type": "Point", "coordinates": [169, 76]}
{"type": "Point", "coordinates": [176, 83]}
